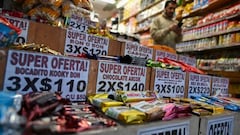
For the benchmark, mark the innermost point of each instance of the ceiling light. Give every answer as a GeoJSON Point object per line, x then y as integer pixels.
{"type": "Point", "coordinates": [109, 1]}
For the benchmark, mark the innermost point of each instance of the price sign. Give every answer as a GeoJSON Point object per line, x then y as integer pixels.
{"type": "Point", "coordinates": [220, 126]}
{"type": "Point", "coordinates": [78, 42]}
{"type": "Point", "coordinates": [169, 83]}
{"type": "Point", "coordinates": [80, 24]}
{"type": "Point", "coordinates": [188, 60]}
{"type": "Point", "coordinates": [23, 25]}
{"type": "Point", "coordinates": [114, 76]}
{"type": "Point", "coordinates": [161, 54]}
{"type": "Point", "coordinates": [220, 84]}
{"type": "Point", "coordinates": [198, 84]}
{"type": "Point", "coordinates": [169, 129]}
{"type": "Point", "coordinates": [135, 49]}
{"type": "Point", "coordinates": [27, 72]}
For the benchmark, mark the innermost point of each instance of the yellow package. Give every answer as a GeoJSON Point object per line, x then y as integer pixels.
{"type": "Point", "coordinates": [126, 115]}
{"type": "Point", "coordinates": [105, 103]}
{"type": "Point", "coordinates": [100, 95]}
{"type": "Point", "coordinates": [152, 111]}
{"type": "Point", "coordinates": [134, 96]}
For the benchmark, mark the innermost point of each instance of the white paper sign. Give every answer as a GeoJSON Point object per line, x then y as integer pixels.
{"type": "Point", "coordinates": [80, 24]}
{"type": "Point", "coordinates": [30, 72]}
{"type": "Point", "coordinates": [137, 50]}
{"type": "Point", "coordinates": [188, 60]}
{"type": "Point", "coordinates": [162, 54]}
{"type": "Point", "coordinates": [169, 83]}
{"type": "Point", "coordinates": [170, 129]}
{"type": "Point", "coordinates": [220, 84]}
{"type": "Point", "coordinates": [23, 25]}
{"type": "Point", "coordinates": [77, 43]}
{"type": "Point", "coordinates": [199, 84]}
{"type": "Point", "coordinates": [114, 76]}
{"type": "Point", "coordinates": [220, 126]}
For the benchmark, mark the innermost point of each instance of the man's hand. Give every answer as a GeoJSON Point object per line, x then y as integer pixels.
{"type": "Point", "coordinates": [176, 29]}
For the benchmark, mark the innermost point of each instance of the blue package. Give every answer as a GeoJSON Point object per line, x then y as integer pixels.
{"type": "Point", "coordinates": [7, 35]}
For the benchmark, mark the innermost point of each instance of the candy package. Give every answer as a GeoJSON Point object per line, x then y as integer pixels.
{"type": "Point", "coordinates": [105, 103]}
{"type": "Point", "coordinates": [126, 115]}
{"type": "Point", "coordinates": [55, 3]}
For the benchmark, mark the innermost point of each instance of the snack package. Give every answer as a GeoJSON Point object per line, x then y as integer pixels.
{"type": "Point", "coordinates": [152, 111]}
{"type": "Point", "coordinates": [126, 115]}
{"type": "Point", "coordinates": [134, 96]}
{"type": "Point", "coordinates": [29, 4]}
{"type": "Point", "coordinates": [86, 4]}
{"type": "Point", "coordinates": [55, 3]}
{"type": "Point", "coordinates": [105, 103]}
{"type": "Point", "coordinates": [8, 32]}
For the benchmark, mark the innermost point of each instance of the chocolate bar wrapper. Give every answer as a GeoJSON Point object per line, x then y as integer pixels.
{"type": "Point", "coordinates": [104, 103]}
{"type": "Point", "coordinates": [152, 111]}
{"type": "Point", "coordinates": [134, 96]}
{"type": "Point", "coordinates": [126, 115]}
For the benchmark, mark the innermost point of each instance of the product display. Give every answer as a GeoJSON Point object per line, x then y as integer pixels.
{"type": "Point", "coordinates": [98, 82]}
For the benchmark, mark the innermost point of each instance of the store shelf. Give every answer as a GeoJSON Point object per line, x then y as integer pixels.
{"type": "Point", "coordinates": [138, 12]}
{"type": "Point", "coordinates": [216, 4]}
{"type": "Point", "coordinates": [233, 45]}
{"type": "Point", "coordinates": [213, 34]}
{"type": "Point", "coordinates": [150, 16]}
{"type": "Point", "coordinates": [214, 21]}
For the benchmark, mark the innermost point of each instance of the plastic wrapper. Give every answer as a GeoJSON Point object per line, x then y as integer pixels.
{"type": "Point", "coordinates": [8, 32]}
{"type": "Point", "coordinates": [84, 4]}
{"type": "Point", "coordinates": [134, 96]}
{"type": "Point", "coordinates": [46, 12]}
{"type": "Point", "coordinates": [152, 111]}
{"type": "Point", "coordinates": [105, 103]}
{"type": "Point", "coordinates": [126, 115]}
{"type": "Point", "coordinates": [29, 4]}
{"type": "Point", "coordinates": [55, 3]}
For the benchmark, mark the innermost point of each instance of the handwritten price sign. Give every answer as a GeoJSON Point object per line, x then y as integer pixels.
{"type": "Point", "coordinates": [220, 84]}
{"type": "Point", "coordinates": [162, 54]}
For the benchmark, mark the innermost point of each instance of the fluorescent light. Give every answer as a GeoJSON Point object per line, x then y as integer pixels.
{"type": "Point", "coordinates": [109, 1]}
{"type": "Point", "coordinates": [121, 3]}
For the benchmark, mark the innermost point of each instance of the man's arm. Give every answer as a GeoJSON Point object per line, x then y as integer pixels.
{"type": "Point", "coordinates": [157, 32]}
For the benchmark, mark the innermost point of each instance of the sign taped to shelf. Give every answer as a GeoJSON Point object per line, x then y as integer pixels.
{"type": "Point", "coordinates": [137, 50]}
{"type": "Point", "coordinates": [199, 84]}
{"type": "Point", "coordinates": [23, 24]}
{"type": "Point", "coordinates": [220, 84]}
{"type": "Point", "coordinates": [188, 60]}
{"type": "Point", "coordinates": [220, 126]}
{"type": "Point", "coordinates": [169, 83]}
{"type": "Point", "coordinates": [170, 129]}
{"type": "Point", "coordinates": [80, 24]}
{"type": "Point", "coordinates": [27, 72]}
{"type": "Point", "coordinates": [114, 76]}
{"type": "Point", "coordinates": [77, 43]}
{"type": "Point", "coordinates": [161, 54]}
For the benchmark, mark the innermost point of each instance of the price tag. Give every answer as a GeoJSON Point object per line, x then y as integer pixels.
{"type": "Point", "coordinates": [23, 25]}
{"type": "Point", "coordinates": [80, 24]}
{"type": "Point", "coordinates": [162, 54]}
{"type": "Point", "coordinates": [137, 50]}
{"type": "Point", "coordinates": [114, 76]}
{"type": "Point", "coordinates": [169, 83]}
{"type": "Point", "coordinates": [77, 43]}
{"type": "Point", "coordinates": [198, 84]}
{"type": "Point", "coordinates": [220, 84]}
{"type": "Point", "coordinates": [220, 126]}
{"type": "Point", "coordinates": [169, 129]}
{"type": "Point", "coordinates": [188, 60]}
{"type": "Point", "coordinates": [27, 72]}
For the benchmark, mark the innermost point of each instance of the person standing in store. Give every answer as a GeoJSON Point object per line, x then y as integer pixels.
{"type": "Point", "coordinates": [165, 30]}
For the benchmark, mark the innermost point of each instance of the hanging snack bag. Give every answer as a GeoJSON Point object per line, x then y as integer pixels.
{"type": "Point", "coordinates": [126, 115]}
{"type": "Point", "coordinates": [86, 4]}
{"type": "Point", "coordinates": [8, 32]}
{"type": "Point", "coordinates": [55, 3]}
{"type": "Point", "coordinates": [29, 4]}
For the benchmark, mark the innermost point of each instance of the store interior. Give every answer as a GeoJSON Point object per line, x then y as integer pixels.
{"type": "Point", "coordinates": [88, 67]}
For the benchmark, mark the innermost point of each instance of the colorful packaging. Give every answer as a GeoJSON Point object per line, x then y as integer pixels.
{"type": "Point", "coordinates": [152, 111]}
{"type": "Point", "coordinates": [105, 103]}
{"type": "Point", "coordinates": [126, 115]}
{"type": "Point", "coordinates": [133, 96]}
